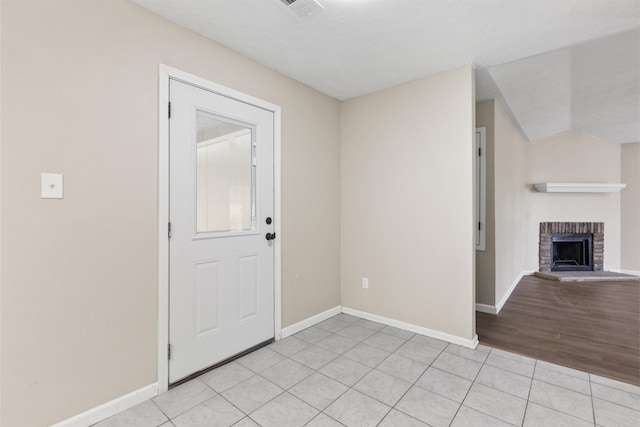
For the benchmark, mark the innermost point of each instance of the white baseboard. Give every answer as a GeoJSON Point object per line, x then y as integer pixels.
{"type": "Point", "coordinates": [506, 296]}
{"type": "Point", "coordinates": [486, 308]}
{"type": "Point", "coordinates": [490, 309]}
{"type": "Point", "coordinates": [111, 408]}
{"type": "Point", "coordinates": [310, 321]}
{"type": "Point", "coordinates": [632, 272]}
{"type": "Point", "coordinates": [470, 343]}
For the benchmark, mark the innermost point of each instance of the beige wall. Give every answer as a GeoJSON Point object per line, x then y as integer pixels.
{"type": "Point", "coordinates": [630, 207]}
{"type": "Point", "coordinates": [79, 275]}
{"type": "Point", "coordinates": [511, 204]}
{"type": "Point", "coordinates": [407, 203]}
{"type": "Point", "coordinates": [573, 157]}
{"type": "Point", "coordinates": [502, 261]}
{"type": "Point", "coordinates": [0, 212]}
{"type": "Point", "coordinates": [486, 259]}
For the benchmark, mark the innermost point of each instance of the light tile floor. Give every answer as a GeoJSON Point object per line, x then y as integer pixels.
{"type": "Point", "coordinates": [348, 371]}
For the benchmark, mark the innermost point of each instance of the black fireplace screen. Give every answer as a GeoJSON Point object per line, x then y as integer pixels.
{"type": "Point", "coordinates": [571, 252]}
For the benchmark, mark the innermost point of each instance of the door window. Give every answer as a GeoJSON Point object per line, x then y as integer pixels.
{"type": "Point", "coordinates": [225, 195]}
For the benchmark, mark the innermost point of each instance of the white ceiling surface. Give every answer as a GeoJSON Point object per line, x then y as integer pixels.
{"type": "Point", "coordinates": [592, 87]}
{"type": "Point", "coordinates": [355, 47]}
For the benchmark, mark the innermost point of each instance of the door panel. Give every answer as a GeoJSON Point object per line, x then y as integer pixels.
{"type": "Point", "coordinates": [221, 278]}
{"type": "Point", "coordinates": [207, 296]}
{"type": "Point", "coordinates": [248, 286]}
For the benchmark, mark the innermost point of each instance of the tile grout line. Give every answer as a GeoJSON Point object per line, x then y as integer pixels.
{"type": "Point", "coordinates": [348, 387]}
{"type": "Point", "coordinates": [474, 382]}
{"type": "Point", "coordinates": [159, 409]}
{"type": "Point", "coordinates": [351, 387]}
{"type": "Point", "coordinates": [467, 393]}
{"type": "Point", "coordinates": [635, 396]}
{"type": "Point", "coordinates": [326, 415]}
{"type": "Point", "coordinates": [413, 384]}
{"type": "Point", "coordinates": [471, 386]}
{"type": "Point", "coordinates": [526, 408]}
{"type": "Point", "coordinates": [617, 404]}
{"type": "Point", "coordinates": [593, 406]}
{"type": "Point", "coordinates": [279, 394]}
{"type": "Point", "coordinates": [232, 404]}
{"type": "Point", "coordinates": [188, 409]}
{"type": "Point", "coordinates": [560, 411]}
{"type": "Point", "coordinates": [246, 415]}
{"type": "Point", "coordinates": [563, 387]}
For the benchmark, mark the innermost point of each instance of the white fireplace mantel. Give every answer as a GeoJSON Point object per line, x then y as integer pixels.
{"type": "Point", "coordinates": [578, 187]}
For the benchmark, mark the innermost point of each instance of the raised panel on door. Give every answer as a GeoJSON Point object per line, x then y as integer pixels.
{"type": "Point", "coordinates": [247, 286]}
{"type": "Point", "coordinates": [206, 297]}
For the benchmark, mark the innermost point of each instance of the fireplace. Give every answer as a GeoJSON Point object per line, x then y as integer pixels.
{"type": "Point", "coordinates": [571, 246]}
{"type": "Point", "coordinates": [571, 252]}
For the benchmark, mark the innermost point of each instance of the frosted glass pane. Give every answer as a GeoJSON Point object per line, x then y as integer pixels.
{"type": "Point", "coordinates": [225, 175]}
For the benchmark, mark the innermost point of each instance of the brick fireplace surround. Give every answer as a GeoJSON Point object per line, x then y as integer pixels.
{"type": "Point", "coordinates": [548, 228]}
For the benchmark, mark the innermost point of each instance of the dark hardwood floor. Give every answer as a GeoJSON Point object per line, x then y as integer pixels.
{"type": "Point", "coordinates": [590, 326]}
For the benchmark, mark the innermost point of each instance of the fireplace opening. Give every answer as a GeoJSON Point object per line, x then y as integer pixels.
{"type": "Point", "coordinates": [582, 255]}
{"type": "Point", "coordinates": [571, 252]}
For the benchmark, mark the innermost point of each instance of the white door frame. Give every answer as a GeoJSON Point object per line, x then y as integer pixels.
{"type": "Point", "coordinates": [167, 73]}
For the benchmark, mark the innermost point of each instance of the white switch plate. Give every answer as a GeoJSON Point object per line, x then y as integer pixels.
{"type": "Point", "coordinates": [51, 186]}
{"type": "Point", "coordinates": [365, 283]}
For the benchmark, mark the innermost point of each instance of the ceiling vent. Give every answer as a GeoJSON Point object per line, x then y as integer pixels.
{"type": "Point", "coordinates": [303, 8]}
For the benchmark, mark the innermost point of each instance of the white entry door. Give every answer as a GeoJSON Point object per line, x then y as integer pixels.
{"type": "Point", "coordinates": [221, 255]}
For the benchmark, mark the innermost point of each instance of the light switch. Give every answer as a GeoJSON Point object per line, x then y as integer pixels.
{"type": "Point", "coordinates": [51, 185]}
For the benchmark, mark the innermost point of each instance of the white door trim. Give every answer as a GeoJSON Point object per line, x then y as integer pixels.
{"type": "Point", "coordinates": [166, 73]}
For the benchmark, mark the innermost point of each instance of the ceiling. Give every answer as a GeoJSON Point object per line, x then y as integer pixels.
{"type": "Point", "coordinates": [592, 87]}
{"type": "Point", "coordinates": [555, 65]}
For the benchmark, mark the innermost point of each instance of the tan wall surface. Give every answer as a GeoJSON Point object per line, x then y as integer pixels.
{"type": "Point", "coordinates": [0, 211]}
{"type": "Point", "coordinates": [573, 157]}
{"type": "Point", "coordinates": [407, 203]}
{"type": "Point", "coordinates": [630, 207]}
{"type": "Point", "coordinates": [511, 202]}
{"type": "Point", "coordinates": [79, 275]}
{"type": "Point", "coordinates": [486, 260]}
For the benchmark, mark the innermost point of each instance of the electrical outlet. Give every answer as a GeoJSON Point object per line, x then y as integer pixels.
{"type": "Point", "coordinates": [365, 283]}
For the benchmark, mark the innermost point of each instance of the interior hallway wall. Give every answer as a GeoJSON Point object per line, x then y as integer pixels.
{"type": "Point", "coordinates": [486, 259]}
{"type": "Point", "coordinates": [79, 275]}
{"type": "Point", "coordinates": [630, 207]}
{"type": "Point", "coordinates": [512, 209]}
{"type": "Point", "coordinates": [0, 211]}
{"type": "Point", "coordinates": [500, 265]}
{"type": "Point", "coordinates": [407, 202]}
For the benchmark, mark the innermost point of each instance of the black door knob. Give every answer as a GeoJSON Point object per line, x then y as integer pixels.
{"type": "Point", "coordinates": [270, 236]}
